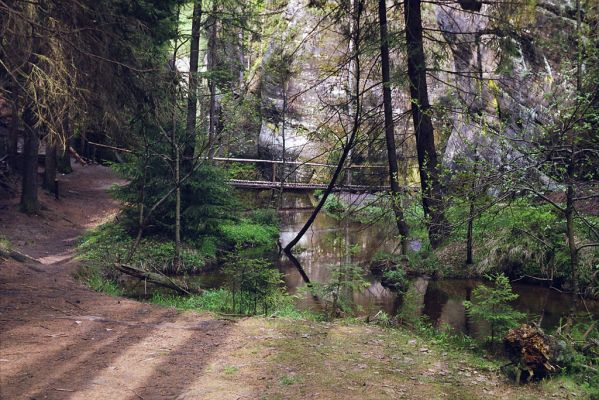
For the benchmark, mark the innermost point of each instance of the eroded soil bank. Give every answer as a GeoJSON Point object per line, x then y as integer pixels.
{"type": "Point", "coordinates": [60, 340]}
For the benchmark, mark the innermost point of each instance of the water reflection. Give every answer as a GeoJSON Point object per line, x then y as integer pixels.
{"type": "Point", "coordinates": [331, 243]}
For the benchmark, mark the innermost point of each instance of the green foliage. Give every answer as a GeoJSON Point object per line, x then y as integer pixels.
{"type": "Point", "coordinates": [102, 284]}
{"type": "Point", "coordinates": [288, 380]}
{"type": "Point", "coordinates": [396, 277]}
{"type": "Point", "coordinates": [245, 233]}
{"type": "Point", "coordinates": [110, 243]}
{"type": "Point", "coordinates": [216, 300]}
{"type": "Point", "coordinates": [579, 353]}
{"type": "Point", "coordinates": [5, 244]}
{"type": "Point", "coordinates": [337, 292]}
{"type": "Point", "coordinates": [255, 285]}
{"type": "Point", "coordinates": [242, 171]}
{"type": "Point", "coordinates": [491, 304]}
{"type": "Point", "coordinates": [335, 207]}
{"type": "Point", "coordinates": [206, 198]}
{"type": "Point", "coordinates": [265, 216]}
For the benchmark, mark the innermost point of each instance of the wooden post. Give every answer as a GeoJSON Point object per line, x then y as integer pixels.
{"type": "Point", "coordinates": [56, 195]}
{"type": "Point", "coordinates": [274, 172]}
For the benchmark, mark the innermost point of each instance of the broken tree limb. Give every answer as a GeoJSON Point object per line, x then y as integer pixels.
{"type": "Point", "coordinates": [17, 255]}
{"type": "Point", "coordinates": [77, 156]}
{"type": "Point", "coordinates": [157, 279]}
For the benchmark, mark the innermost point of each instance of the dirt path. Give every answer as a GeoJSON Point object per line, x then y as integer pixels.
{"type": "Point", "coordinates": [60, 340]}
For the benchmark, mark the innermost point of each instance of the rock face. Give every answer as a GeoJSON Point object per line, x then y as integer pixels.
{"type": "Point", "coordinates": [290, 100]}
{"type": "Point", "coordinates": [301, 78]}
{"type": "Point", "coordinates": [516, 71]}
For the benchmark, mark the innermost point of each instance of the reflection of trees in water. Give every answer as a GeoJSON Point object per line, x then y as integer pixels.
{"type": "Point", "coordinates": [332, 242]}
{"type": "Point", "coordinates": [434, 301]}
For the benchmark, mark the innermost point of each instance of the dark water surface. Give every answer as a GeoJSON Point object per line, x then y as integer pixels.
{"type": "Point", "coordinates": [331, 243]}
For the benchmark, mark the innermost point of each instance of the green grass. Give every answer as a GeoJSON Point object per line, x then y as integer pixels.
{"type": "Point", "coordinates": [247, 233]}
{"type": "Point", "coordinates": [221, 301]}
{"type": "Point", "coordinates": [5, 244]}
{"type": "Point", "coordinates": [230, 369]}
{"type": "Point", "coordinates": [103, 285]}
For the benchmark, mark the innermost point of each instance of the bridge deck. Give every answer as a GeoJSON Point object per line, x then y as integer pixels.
{"type": "Point", "coordinates": [304, 186]}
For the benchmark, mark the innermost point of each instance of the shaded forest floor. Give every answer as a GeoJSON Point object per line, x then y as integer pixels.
{"type": "Point", "coordinates": [60, 340]}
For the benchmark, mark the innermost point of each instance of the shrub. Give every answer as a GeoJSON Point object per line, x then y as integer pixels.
{"type": "Point", "coordinates": [244, 233]}
{"type": "Point", "coordinates": [206, 198]}
{"type": "Point", "coordinates": [395, 278]}
{"type": "Point", "coordinates": [255, 285]}
{"type": "Point", "coordinates": [337, 293]}
{"type": "Point", "coordinates": [491, 304]}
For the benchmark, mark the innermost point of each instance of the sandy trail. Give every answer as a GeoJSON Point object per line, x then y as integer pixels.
{"type": "Point", "coordinates": [59, 340]}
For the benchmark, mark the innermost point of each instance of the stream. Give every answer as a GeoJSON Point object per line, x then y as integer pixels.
{"type": "Point", "coordinates": [332, 242]}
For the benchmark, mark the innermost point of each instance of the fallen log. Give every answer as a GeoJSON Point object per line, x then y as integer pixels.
{"type": "Point", "coordinates": [17, 255]}
{"type": "Point", "coordinates": [77, 156]}
{"type": "Point", "coordinates": [157, 279]}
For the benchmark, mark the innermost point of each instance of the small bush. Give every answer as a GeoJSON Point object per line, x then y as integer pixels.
{"type": "Point", "coordinates": [491, 304]}
{"type": "Point", "coordinates": [396, 278]}
{"type": "Point", "coordinates": [265, 216]}
{"type": "Point", "coordinates": [101, 284]}
{"type": "Point", "coordinates": [345, 279]}
{"type": "Point", "coordinates": [244, 233]}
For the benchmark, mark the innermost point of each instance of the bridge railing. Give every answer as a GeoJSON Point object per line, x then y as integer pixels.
{"type": "Point", "coordinates": [297, 175]}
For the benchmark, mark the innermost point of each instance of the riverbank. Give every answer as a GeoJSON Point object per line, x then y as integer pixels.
{"type": "Point", "coordinates": [59, 339]}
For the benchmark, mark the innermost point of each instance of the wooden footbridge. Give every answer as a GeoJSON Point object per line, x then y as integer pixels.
{"type": "Point", "coordinates": [282, 180]}
{"type": "Point", "coordinates": [290, 186]}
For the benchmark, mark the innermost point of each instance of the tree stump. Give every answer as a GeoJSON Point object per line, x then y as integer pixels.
{"type": "Point", "coordinates": [532, 352]}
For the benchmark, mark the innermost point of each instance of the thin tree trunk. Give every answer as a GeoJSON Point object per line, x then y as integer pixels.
{"type": "Point", "coordinates": [283, 123]}
{"type": "Point", "coordinates": [570, 207]}
{"type": "Point", "coordinates": [177, 165]}
{"type": "Point", "coordinates": [64, 159]}
{"type": "Point", "coordinates": [423, 126]}
{"type": "Point", "coordinates": [142, 208]}
{"type": "Point", "coordinates": [402, 226]}
{"type": "Point", "coordinates": [29, 200]}
{"type": "Point", "coordinates": [50, 167]}
{"type": "Point", "coordinates": [13, 133]}
{"type": "Point", "coordinates": [569, 214]}
{"type": "Point", "coordinates": [212, 82]}
{"type": "Point", "coordinates": [469, 234]}
{"type": "Point", "coordinates": [192, 97]}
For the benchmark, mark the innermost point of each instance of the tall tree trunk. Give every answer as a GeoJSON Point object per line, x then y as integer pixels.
{"type": "Point", "coordinates": [29, 200]}
{"type": "Point", "coordinates": [432, 201]}
{"type": "Point", "coordinates": [13, 133]}
{"type": "Point", "coordinates": [212, 81]}
{"type": "Point", "coordinates": [177, 163]}
{"type": "Point", "coordinates": [50, 166]}
{"type": "Point", "coordinates": [569, 214]}
{"type": "Point", "coordinates": [402, 226]}
{"type": "Point", "coordinates": [570, 179]}
{"type": "Point", "coordinates": [192, 97]}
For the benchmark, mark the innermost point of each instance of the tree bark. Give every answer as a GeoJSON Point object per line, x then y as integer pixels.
{"type": "Point", "coordinates": [177, 166]}
{"type": "Point", "coordinates": [50, 165]}
{"type": "Point", "coordinates": [29, 200]}
{"type": "Point", "coordinates": [212, 81]}
{"type": "Point", "coordinates": [13, 133]}
{"type": "Point", "coordinates": [192, 97]}
{"type": "Point", "coordinates": [402, 226]}
{"type": "Point", "coordinates": [432, 201]}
